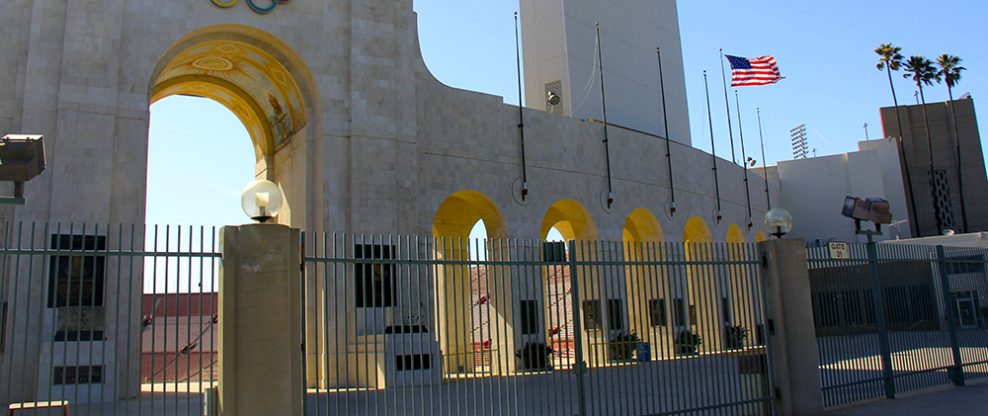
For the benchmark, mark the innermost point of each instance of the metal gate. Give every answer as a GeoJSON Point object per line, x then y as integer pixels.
{"type": "Point", "coordinates": [894, 318]}
{"type": "Point", "coordinates": [405, 325]}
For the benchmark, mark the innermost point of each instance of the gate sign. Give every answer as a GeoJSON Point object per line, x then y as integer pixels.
{"type": "Point", "coordinates": [839, 250]}
{"type": "Point", "coordinates": [266, 5]}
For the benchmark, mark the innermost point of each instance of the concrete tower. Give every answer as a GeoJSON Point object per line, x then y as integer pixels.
{"type": "Point", "coordinates": [561, 57]}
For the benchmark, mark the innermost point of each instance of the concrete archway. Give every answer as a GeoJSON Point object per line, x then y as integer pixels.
{"type": "Point", "coordinates": [268, 87]}
{"type": "Point", "coordinates": [704, 281]}
{"type": "Point", "coordinates": [475, 306]}
{"type": "Point", "coordinates": [648, 289]}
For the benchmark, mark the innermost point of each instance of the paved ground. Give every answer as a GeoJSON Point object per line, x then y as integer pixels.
{"type": "Point", "coordinates": [942, 401]}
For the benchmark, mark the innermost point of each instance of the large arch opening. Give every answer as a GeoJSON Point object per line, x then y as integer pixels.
{"type": "Point", "coordinates": [264, 84]}
{"type": "Point", "coordinates": [568, 220]}
{"type": "Point", "coordinates": [475, 307]}
{"type": "Point", "coordinates": [648, 289]}
{"type": "Point", "coordinates": [707, 311]}
{"type": "Point", "coordinates": [266, 90]}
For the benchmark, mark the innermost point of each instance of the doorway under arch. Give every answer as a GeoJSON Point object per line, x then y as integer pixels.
{"type": "Point", "coordinates": [649, 290]}
{"type": "Point", "coordinates": [474, 309]}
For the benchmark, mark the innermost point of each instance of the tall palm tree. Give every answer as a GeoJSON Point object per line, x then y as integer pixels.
{"type": "Point", "coordinates": [921, 71]}
{"type": "Point", "coordinates": [890, 59]}
{"type": "Point", "coordinates": [950, 72]}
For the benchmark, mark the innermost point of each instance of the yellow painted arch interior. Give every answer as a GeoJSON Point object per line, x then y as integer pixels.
{"type": "Point", "coordinates": [696, 231]}
{"type": "Point", "coordinates": [237, 68]}
{"type": "Point", "coordinates": [759, 237]}
{"type": "Point", "coordinates": [571, 219]}
{"type": "Point", "coordinates": [734, 234]}
{"type": "Point", "coordinates": [460, 211]}
{"type": "Point", "coordinates": [641, 226]}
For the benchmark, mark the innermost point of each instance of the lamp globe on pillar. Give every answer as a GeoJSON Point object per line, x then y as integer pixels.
{"type": "Point", "coordinates": [779, 220]}
{"type": "Point", "coordinates": [261, 200]}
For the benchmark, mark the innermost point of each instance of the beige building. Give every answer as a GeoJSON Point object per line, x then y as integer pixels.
{"type": "Point", "coordinates": [346, 118]}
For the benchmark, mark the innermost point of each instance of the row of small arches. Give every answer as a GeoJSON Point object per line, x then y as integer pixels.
{"type": "Point", "coordinates": [462, 211]}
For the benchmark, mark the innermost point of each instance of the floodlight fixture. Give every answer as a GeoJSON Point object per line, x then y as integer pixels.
{"type": "Point", "coordinates": [553, 98]}
{"type": "Point", "coordinates": [873, 210]}
{"type": "Point", "coordinates": [22, 158]}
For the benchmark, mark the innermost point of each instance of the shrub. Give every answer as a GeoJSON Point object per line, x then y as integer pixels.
{"type": "Point", "coordinates": [535, 356]}
{"type": "Point", "coordinates": [621, 346]}
{"type": "Point", "coordinates": [736, 336]}
{"type": "Point", "coordinates": [688, 342]}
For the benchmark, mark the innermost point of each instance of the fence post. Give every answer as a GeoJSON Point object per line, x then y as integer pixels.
{"type": "Point", "coordinates": [957, 372]}
{"type": "Point", "coordinates": [260, 321]}
{"type": "Point", "coordinates": [795, 361]}
{"type": "Point", "coordinates": [888, 380]}
{"type": "Point", "coordinates": [580, 366]}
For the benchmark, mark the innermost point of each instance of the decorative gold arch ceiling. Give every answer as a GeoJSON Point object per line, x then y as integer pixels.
{"type": "Point", "coordinates": [245, 79]}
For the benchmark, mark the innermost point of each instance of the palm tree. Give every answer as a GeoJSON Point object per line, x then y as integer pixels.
{"type": "Point", "coordinates": [890, 59]}
{"type": "Point", "coordinates": [950, 71]}
{"type": "Point", "coordinates": [921, 71]}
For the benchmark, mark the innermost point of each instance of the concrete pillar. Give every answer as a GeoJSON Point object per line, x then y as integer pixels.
{"type": "Point", "coordinates": [260, 321]}
{"type": "Point", "coordinates": [792, 336]}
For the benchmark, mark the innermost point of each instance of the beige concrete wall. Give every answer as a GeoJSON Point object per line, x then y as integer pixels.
{"type": "Point", "coordinates": [384, 145]}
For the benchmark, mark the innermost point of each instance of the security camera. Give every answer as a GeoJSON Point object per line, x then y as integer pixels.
{"type": "Point", "coordinates": [553, 98]}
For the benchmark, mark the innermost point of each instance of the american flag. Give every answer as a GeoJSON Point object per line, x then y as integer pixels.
{"type": "Point", "coordinates": [747, 72]}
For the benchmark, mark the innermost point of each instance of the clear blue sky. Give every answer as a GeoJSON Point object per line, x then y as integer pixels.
{"type": "Point", "coordinates": [825, 49]}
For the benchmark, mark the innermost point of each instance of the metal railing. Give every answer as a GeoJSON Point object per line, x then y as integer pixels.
{"type": "Point", "coordinates": [405, 325]}
{"type": "Point", "coordinates": [112, 319]}
{"type": "Point", "coordinates": [121, 320]}
{"type": "Point", "coordinates": [888, 319]}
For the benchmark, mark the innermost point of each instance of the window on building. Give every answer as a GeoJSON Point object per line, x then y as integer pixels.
{"type": "Point", "coordinates": [591, 314]}
{"type": "Point", "coordinates": [374, 282]}
{"type": "Point", "coordinates": [657, 312]}
{"type": "Point", "coordinates": [554, 251]}
{"type": "Point", "coordinates": [965, 264]}
{"type": "Point", "coordinates": [725, 309]}
{"type": "Point", "coordinates": [413, 362]}
{"type": "Point", "coordinates": [529, 317]}
{"type": "Point", "coordinates": [679, 312]}
{"type": "Point", "coordinates": [65, 376]}
{"type": "Point", "coordinates": [75, 287]}
{"type": "Point", "coordinates": [615, 315]}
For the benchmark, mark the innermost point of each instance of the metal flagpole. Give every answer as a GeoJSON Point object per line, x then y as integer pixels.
{"type": "Point", "coordinates": [744, 158]}
{"type": "Point", "coordinates": [761, 138]}
{"type": "Point", "coordinates": [603, 107]}
{"type": "Point", "coordinates": [665, 121]}
{"type": "Point", "coordinates": [727, 103]}
{"type": "Point", "coordinates": [713, 148]}
{"type": "Point", "coordinates": [521, 116]}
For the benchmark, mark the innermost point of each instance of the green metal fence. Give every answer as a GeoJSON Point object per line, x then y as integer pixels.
{"type": "Point", "coordinates": [113, 320]}
{"type": "Point", "coordinates": [894, 318]}
{"type": "Point", "coordinates": [120, 320]}
{"type": "Point", "coordinates": [404, 325]}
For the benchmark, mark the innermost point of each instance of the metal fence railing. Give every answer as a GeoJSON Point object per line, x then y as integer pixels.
{"type": "Point", "coordinates": [893, 318]}
{"type": "Point", "coordinates": [114, 320]}
{"type": "Point", "coordinates": [404, 325]}
{"type": "Point", "coordinates": [121, 320]}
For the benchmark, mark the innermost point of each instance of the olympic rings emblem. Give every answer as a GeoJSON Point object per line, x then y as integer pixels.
{"type": "Point", "coordinates": [252, 4]}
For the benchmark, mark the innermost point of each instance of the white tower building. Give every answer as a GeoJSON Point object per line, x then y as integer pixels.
{"type": "Point", "coordinates": [561, 57]}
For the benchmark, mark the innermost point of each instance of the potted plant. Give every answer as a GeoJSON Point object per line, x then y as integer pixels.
{"type": "Point", "coordinates": [735, 336]}
{"type": "Point", "coordinates": [621, 345]}
{"type": "Point", "coordinates": [535, 356]}
{"type": "Point", "coordinates": [688, 343]}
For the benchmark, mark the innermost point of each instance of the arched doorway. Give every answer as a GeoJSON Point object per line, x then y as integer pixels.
{"type": "Point", "coordinates": [474, 306]}
{"type": "Point", "coordinates": [648, 287]}
{"type": "Point", "coordinates": [269, 89]}
{"type": "Point", "coordinates": [568, 220]}
{"type": "Point", "coordinates": [706, 292]}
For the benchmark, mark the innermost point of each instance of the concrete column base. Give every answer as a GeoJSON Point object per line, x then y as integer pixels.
{"type": "Point", "coordinates": [260, 321]}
